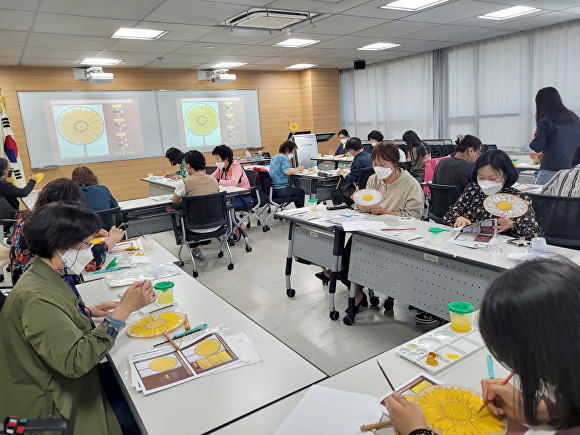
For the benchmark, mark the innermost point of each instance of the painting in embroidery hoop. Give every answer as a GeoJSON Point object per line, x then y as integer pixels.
{"type": "Point", "coordinates": [367, 197]}
{"type": "Point", "coordinates": [155, 325]}
{"type": "Point", "coordinates": [505, 205]}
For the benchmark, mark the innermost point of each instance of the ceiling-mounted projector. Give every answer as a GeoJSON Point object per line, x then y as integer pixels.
{"type": "Point", "coordinates": [95, 74]}
{"type": "Point", "coordinates": [222, 76]}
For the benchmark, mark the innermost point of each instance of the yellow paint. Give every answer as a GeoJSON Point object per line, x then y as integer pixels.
{"type": "Point", "coordinates": [162, 364]}
{"type": "Point", "coordinates": [451, 356]}
{"type": "Point", "coordinates": [504, 205]}
{"type": "Point", "coordinates": [367, 197]}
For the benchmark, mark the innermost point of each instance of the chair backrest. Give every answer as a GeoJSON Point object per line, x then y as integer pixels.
{"type": "Point", "coordinates": [557, 217]}
{"type": "Point", "coordinates": [431, 142]}
{"type": "Point", "coordinates": [488, 146]}
{"type": "Point", "coordinates": [257, 192]}
{"type": "Point", "coordinates": [203, 212]}
{"type": "Point", "coordinates": [363, 177]}
{"type": "Point", "coordinates": [368, 148]}
{"type": "Point", "coordinates": [264, 181]}
{"type": "Point", "coordinates": [110, 217]}
{"type": "Point", "coordinates": [210, 169]}
{"type": "Point", "coordinates": [252, 177]}
{"type": "Point", "coordinates": [442, 198]}
{"type": "Point", "coordinates": [6, 210]}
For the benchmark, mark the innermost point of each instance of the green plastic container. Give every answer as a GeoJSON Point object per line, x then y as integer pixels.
{"type": "Point", "coordinates": [461, 314]}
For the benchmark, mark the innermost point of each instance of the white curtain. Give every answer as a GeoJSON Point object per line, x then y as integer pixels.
{"type": "Point", "coordinates": [485, 88]}
{"type": "Point", "coordinates": [391, 97]}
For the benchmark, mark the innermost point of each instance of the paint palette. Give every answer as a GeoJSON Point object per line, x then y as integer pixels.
{"type": "Point", "coordinates": [441, 349]}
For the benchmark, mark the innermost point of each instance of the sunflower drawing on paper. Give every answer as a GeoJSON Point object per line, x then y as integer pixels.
{"type": "Point", "coordinates": [453, 411]}
{"type": "Point", "coordinates": [155, 325]}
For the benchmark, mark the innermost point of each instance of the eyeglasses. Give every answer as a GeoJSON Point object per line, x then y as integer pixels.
{"type": "Point", "coordinates": [494, 250]}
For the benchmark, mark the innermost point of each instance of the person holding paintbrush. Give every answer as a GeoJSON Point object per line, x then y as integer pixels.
{"type": "Point", "coordinates": [530, 324]}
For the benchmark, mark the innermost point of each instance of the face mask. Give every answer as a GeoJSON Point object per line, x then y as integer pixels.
{"type": "Point", "coordinates": [343, 141]}
{"type": "Point", "coordinates": [373, 143]}
{"type": "Point", "coordinates": [383, 173]}
{"type": "Point", "coordinates": [10, 173]}
{"type": "Point", "coordinates": [290, 156]}
{"type": "Point", "coordinates": [490, 187]}
{"type": "Point", "coordinates": [75, 260]}
{"type": "Point", "coordinates": [220, 165]}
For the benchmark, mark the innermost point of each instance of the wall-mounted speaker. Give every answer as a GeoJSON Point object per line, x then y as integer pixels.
{"type": "Point", "coordinates": [359, 64]}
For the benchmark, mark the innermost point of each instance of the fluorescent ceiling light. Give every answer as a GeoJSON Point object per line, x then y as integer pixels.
{"type": "Point", "coordinates": [412, 5]}
{"type": "Point", "coordinates": [294, 43]}
{"type": "Point", "coordinates": [506, 14]}
{"type": "Point", "coordinates": [99, 61]}
{"type": "Point", "coordinates": [301, 66]}
{"type": "Point", "coordinates": [148, 34]}
{"type": "Point", "coordinates": [378, 46]}
{"type": "Point", "coordinates": [228, 64]}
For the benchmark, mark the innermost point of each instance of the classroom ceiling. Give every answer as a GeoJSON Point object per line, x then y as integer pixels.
{"type": "Point", "coordinates": [60, 33]}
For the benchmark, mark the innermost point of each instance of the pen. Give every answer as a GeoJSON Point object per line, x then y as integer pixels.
{"type": "Point", "coordinates": [106, 270]}
{"type": "Point", "coordinates": [344, 215]}
{"type": "Point", "coordinates": [183, 334]}
{"type": "Point", "coordinates": [490, 366]}
{"type": "Point", "coordinates": [398, 229]}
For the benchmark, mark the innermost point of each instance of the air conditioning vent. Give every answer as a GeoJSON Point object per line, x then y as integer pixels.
{"type": "Point", "coordinates": [256, 18]}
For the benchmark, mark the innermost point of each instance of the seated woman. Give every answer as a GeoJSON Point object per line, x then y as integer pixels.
{"type": "Point", "coordinates": [8, 190]}
{"type": "Point", "coordinates": [229, 172]}
{"type": "Point", "coordinates": [457, 169]}
{"type": "Point", "coordinates": [567, 181]}
{"type": "Point", "coordinates": [50, 349]}
{"type": "Point", "coordinates": [494, 172]}
{"type": "Point", "coordinates": [420, 154]}
{"type": "Point", "coordinates": [548, 289]}
{"type": "Point", "coordinates": [97, 198]}
{"type": "Point", "coordinates": [61, 189]}
{"type": "Point", "coordinates": [402, 196]}
{"type": "Point", "coordinates": [280, 169]}
{"type": "Point", "coordinates": [175, 157]}
{"type": "Point", "coordinates": [341, 150]}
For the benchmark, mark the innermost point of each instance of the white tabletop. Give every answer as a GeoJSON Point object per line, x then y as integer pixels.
{"type": "Point", "coordinates": [211, 401]}
{"type": "Point", "coordinates": [330, 158]}
{"type": "Point", "coordinates": [166, 182]}
{"type": "Point", "coordinates": [527, 166]}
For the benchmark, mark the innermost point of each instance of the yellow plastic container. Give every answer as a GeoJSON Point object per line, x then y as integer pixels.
{"type": "Point", "coordinates": [461, 314]}
{"type": "Point", "coordinates": [164, 292]}
{"type": "Point", "coordinates": [313, 204]}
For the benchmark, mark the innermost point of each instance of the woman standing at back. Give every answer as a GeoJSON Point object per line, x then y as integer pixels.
{"type": "Point", "coordinates": [557, 134]}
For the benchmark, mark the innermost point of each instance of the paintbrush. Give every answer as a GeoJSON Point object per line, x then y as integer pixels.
{"type": "Point", "coordinates": [175, 346]}
{"type": "Point", "coordinates": [373, 426]}
{"type": "Point", "coordinates": [385, 375]}
{"type": "Point", "coordinates": [487, 402]}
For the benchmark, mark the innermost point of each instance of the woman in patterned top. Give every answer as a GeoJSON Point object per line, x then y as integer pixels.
{"type": "Point", "coordinates": [61, 189]}
{"type": "Point", "coordinates": [494, 172]}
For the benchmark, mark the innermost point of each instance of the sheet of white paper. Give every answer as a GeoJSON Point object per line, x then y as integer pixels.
{"type": "Point", "coordinates": [325, 411]}
{"type": "Point", "coordinates": [363, 225]}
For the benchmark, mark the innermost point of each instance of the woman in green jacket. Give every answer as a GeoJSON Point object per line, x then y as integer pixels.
{"type": "Point", "coordinates": [49, 345]}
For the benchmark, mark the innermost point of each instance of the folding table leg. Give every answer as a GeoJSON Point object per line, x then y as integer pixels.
{"type": "Point", "coordinates": [290, 292]}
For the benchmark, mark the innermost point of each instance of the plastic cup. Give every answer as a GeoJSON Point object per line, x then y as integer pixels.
{"type": "Point", "coordinates": [315, 168]}
{"type": "Point", "coordinates": [147, 240]}
{"type": "Point", "coordinates": [313, 204]}
{"type": "Point", "coordinates": [260, 153]}
{"type": "Point", "coordinates": [164, 291]}
{"type": "Point", "coordinates": [150, 175]}
{"type": "Point", "coordinates": [436, 236]}
{"type": "Point", "coordinates": [461, 314]}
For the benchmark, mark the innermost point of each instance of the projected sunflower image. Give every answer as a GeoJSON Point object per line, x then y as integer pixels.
{"type": "Point", "coordinates": [201, 119]}
{"type": "Point", "coordinates": [80, 125]}
{"type": "Point", "coordinates": [453, 411]}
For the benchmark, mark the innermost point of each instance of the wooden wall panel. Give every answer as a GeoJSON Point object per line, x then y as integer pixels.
{"type": "Point", "coordinates": [292, 94]}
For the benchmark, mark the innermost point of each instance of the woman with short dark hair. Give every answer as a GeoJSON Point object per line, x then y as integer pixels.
{"type": "Point", "coordinates": [543, 354]}
{"type": "Point", "coordinates": [493, 173]}
{"type": "Point", "coordinates": [9, 191]}
{"type": "Point", "coordinates": [50, 348]}
{"type": "Point", "coordinates": [229, 172]}
{"type": "Point", "coordinates": [175, 157]}
{"type": "Point", "coordinates": [375, 137]}
{"type": "Point", "coordinates": [343, 136]}
{"type": "Point", "coordinates": [280, 169]}
{"type": "Point", "coordinates": [97, 197]}
{"type": "Point", "coordinates": [557, 133]}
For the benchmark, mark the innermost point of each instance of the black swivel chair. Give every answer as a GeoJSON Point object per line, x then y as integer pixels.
{"type": "Point", "coordinates": [210, 169]}
{"type": "Point", "coordinates": [363, 177]}
{"type": "Point", "coordinates": [368, 148]}
{"type": "Point", "coordinates": [110, 217]}
{"type": "Point", "coordinates": [442, 198]}
{"type": "Point", "coordinates": [274, 204]}
{"type": "Point", "coordinates": [557, 217]}
{"type": "Point", "coordinates": [200, 213]}
{"type": "Point", "coordinates": [7, 220]}
{"type": "Point", "coordinates": [257, 198]}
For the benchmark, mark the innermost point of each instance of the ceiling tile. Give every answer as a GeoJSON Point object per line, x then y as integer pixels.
{"type": "Point", "coordinates": [75, 25]}
{"type": "Point", "coordinates": [50, 62]}
{"type": "Point", "coordinates": [305, 35]}
{"type": "Point", "coordinates": [9, 61]}
{"type": "Point", "coordinates": [158, 46]}
{"type": "Point", "coordinates": [129, 10]}
{"type": "Point", "coordinates": [16, 20]}
{"type": "Point", "coordinates": [20, 5]}
{"type": "Point", "coordinates": [223, 35]}
{"type": "Point", "coordinates": [553, 5]}
{"type": "Point", "coordinates": [189, 59]}
{"type": "Point", "coordinates": [478, 35]}
{"type": "Point", "coordinates": [11, 51]}
{"type": "Point", "coordinates": [314, 6]}
{"type": "Point", "coordinates": [394, 28]}
{"type": "Point", "coordinates": [177, 32]}
{"type": "Point", "coordinates": [219, 49]}
{"type": "Point", "coordinates": [373, 9]}
{"type": "Point", "coordinates": [337, 24]}
{"type": "Point", "coordinates": [449, 12]}
{"type": "Point", "coordinates": [534, 21]}
{"type": "Point", "coordinates": [52, 40]}
{"type": "Point", "coordinates": [59, 53]}
{"type": "Point", "coordinates": [349, 42]}
{"type": "Point", "coordinates": [195, 12]}
{"type": "Point", "coordinates": [10, 37]}
{"type": "Point", "coordinates": [441, 33]}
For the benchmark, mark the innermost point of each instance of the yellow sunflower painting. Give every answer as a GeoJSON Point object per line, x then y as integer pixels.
{"type": "Point", "coordinates": [155, 325]}
{"type": "Point", "coordinates": [453, 411]}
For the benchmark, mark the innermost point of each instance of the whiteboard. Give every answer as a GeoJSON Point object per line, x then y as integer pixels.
{"type": "Point", "coordinates": [307, 149]}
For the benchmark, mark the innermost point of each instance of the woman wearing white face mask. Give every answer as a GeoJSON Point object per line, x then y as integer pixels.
{"type": "Point", "coordinates": [229, 172]}
{"type": "Point", "coordinates": [280, 169]}
{"type": "Point", "coordinates": [344, 137]}
{"type": "Point", "coordinates": [494, 172]}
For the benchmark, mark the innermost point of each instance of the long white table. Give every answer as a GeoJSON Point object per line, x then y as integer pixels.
{"type": "Point", "coordinates": [212, 401]}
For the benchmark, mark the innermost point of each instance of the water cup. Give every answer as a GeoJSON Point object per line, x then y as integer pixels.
{"type": "Point", "coordinates": [461, 314]}
{"type": "Point", "coordinates": [260, 153]}
{"type": "Point", "coordinates": [436, 236]}
{"type": "Point", "coordinates": [315, 168]}
{"type": "Point", "coordinates": [164, 291]}
{"type": "Point", "coordinates": [313, 204]}
{"type": "Point", "coordinates": [150, 175]}
{"type": "Point", "coordinates": [147, 240]}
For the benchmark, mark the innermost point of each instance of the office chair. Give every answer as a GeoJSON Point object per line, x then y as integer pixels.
{"type": "Point", "coordinates": [557, 217]}
{"type": "Point", "coordinates": [202, 213]}
{"type": "Point", "coordinates": [250, 209]}
{"type": "Point", "coordinates": [363, 177]}
{"type": "Point", "coordinates": [442, 198]}
{"type": "Point", "coordinates": [8, 221]}
{"type": "Point", "coordinates": [110, 217]}
{"type": "Point", "coordinates": [273, 205]}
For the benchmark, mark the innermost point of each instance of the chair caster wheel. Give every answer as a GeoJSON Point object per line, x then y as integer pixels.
{"type": "Point", "coordinates": [374, 301]}
{"type": "Point", "coordinates": [290, 292]}
{"type": "Point", "coordinates": [231, 242]}
{"type": "Point", "coordinates": [230, 266]}
{"type": "Point", "coordinates": [265, 228]}
{"type": "Point", "coordinates": [220, 254]}
{"type": "Point", "coordinates": [249, 225]}
{"type": "Point", "coordinates": [179, 263]}
{"type": "Point", "coordinates": [195, 274]}
{"type": "Point", "coordinates": [1, 278]}
{"type": "Point", "coordinates": [388, 305]}
{"type": "Point", "coordinates": [348, 321]}
{"type": "Point", "coordinates": [333, 315]}
{"type": "Point", "coordinates": [248, 248]}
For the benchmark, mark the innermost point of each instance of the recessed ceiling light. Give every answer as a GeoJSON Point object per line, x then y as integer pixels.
{"type": "Point", "coordinates": [301, 66]}
{"type": "Point", "coordinates": [228, 64]}
{"type": "Point", "coordinates": [99, 61]}
{"type": "Point", "coordinates": [378, 46]}
{"type": "Point", "coordinates": [294, 43]}
{"type": "Point", "coordinates": [506, 14]}
{"type": "Point", "coordinates": [148, 34]}
{"type": "Point", "coordinates": [412, 5]}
